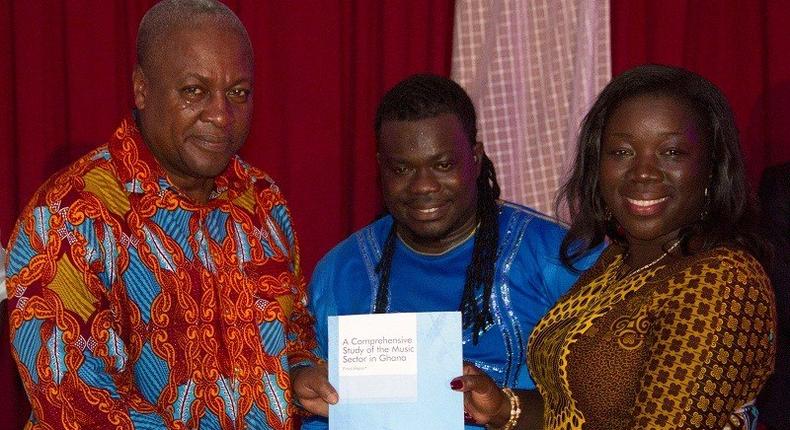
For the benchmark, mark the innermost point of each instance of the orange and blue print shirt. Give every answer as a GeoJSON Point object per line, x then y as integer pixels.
{"type": "Point", "coordinates": [133, 307]}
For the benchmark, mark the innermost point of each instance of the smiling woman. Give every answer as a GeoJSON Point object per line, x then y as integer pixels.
{"type": "Point", "coordinates": [674, 326]}
{"type": "Point", "coordinates": [654, 171]}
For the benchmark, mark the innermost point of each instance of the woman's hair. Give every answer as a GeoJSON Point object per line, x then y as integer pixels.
{"type": "Point", "coordinates": [729, 208]}
{"type": "Point", "coordinates": [428, 96]}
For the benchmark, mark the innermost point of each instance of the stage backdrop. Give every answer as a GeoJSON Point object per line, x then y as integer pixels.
{"type": "Point", "coordinates": [533, 68]}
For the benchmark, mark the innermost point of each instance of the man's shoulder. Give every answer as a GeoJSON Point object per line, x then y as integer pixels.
{"type": "Point", "coordinates": [536, 235]}
{"type": "Point", "coordinates": [96, 158]}
{"type": "Point", "coordinates": [349, 248]}
{"type": "Point", "coordinates": [89, 173]}
{"type": "Point", "coordinates": [536, 222]}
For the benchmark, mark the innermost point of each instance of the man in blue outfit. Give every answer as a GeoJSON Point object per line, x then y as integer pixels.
{"type": "Point", "coordinates": [447, 243]}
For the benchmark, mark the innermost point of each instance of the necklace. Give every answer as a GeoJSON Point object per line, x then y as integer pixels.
{"type": "Point", "coordinates": [621, 274]}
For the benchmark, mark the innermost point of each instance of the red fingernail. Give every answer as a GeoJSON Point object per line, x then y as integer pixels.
{"type": "Point", "coordinates": [456, 384]}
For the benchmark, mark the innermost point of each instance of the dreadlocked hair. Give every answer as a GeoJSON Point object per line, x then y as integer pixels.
{"type": "Point", "coordinates": [383, 270]}
{"type": "Point", "coordinates": [428, 96]}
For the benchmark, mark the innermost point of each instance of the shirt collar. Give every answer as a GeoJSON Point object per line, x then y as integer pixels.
{"type": "Point", "coordinates": [140, 172]}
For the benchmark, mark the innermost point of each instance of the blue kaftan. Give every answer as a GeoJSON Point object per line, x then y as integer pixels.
{"type": "Point", "coordinates": [529, 279]}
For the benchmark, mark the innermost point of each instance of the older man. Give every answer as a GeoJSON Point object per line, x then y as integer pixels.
{"type": "Point", "coordinates": [448, 243]}
{"type": "Point", "coordinates": [155, 282]}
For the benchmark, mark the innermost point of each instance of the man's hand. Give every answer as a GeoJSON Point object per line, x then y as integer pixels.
{"type": "Point", "coordinates": [312, 389]}
{"type": "Point", "coordinates": [484, 401]}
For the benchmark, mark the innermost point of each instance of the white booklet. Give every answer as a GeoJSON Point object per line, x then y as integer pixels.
{"type": "Point", "coordinates": [393, 371]}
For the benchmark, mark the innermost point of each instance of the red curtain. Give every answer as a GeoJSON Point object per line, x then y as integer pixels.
{"type": "Point", "coordinates": [741, 46]}
{"type": "Point", "coordinates": [321, 67]}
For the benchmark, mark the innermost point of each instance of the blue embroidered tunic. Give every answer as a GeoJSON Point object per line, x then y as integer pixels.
{"type": "Point", "coordinates": [529, 279]}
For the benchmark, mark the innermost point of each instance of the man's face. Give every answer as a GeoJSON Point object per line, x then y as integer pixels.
{"type": "Point", "coordinates": [428, 175]}
{"type": "Point", "coordinates": [195, 100]}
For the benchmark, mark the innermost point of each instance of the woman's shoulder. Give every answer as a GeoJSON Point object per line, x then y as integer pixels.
{"type": "Point", "coordinates": [719, 274]}
{"type": "Point", "coordinates": [727, 259]}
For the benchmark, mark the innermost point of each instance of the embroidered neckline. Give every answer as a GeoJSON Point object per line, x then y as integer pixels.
{"type": "Point", "coordinates": [437, 254]}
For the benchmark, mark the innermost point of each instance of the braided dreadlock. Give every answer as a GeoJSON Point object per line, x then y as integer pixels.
{"type": "Point", "coordinates": [428, 96]}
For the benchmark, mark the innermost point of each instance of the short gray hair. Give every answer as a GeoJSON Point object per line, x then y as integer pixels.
{"type": "Point", "coordinates": [172, 14]}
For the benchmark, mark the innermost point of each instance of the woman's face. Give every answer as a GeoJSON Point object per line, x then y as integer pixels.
{"type": "Point", "coordinates": [654, 168]}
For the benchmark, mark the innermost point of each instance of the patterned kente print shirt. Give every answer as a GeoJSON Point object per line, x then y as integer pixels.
{"type": "Point", "coordinates": [133, 307]}
{"type": "Point", "coordinates": [684, 345]}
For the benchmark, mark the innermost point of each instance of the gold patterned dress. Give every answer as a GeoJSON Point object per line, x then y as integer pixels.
{"type": "Point", "coordinates": [682, 345]}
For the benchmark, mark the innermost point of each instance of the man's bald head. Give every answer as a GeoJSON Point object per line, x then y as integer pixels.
{"type": "Point", "coordinates": [169, 15]}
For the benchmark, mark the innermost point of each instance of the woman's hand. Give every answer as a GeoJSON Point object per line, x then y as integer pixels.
{"type": "Point", "coordinates": [484, 401]}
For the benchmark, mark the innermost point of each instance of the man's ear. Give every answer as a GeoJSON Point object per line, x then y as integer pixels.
{"type": "Point", "coordinates": [139, 87]}
{"type": "Point", "coordinates": [378, 158]}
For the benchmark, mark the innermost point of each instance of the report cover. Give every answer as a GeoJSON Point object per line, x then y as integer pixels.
{"type": "Point", "coordinates": [393, 371]}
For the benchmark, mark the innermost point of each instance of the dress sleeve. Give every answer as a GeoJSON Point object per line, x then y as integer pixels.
{"type": "Point", "coordinates": [713, 346]}
{"type": "Point", "coordinates": [69, 352]}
